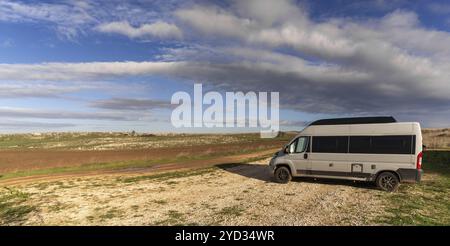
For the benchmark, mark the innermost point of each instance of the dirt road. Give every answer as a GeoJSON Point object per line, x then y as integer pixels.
{"type": "Point", "coordinates": [240, 194]}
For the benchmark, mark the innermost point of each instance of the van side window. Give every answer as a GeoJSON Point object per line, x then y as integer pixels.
{"type": "Point", "coordinates": [391, 144]}
{"type": "Point", "coordinates": [382, 144]}
{"type": "Point", "coordinates": [301, 144]}
{"type": "Point", "coordinates": [359, 144]}
{"type": "Point", "coordinates": [330, 144]}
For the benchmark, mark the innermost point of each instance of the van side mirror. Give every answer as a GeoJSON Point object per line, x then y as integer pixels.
{"type": "Point", "coordinates": [287, 149]}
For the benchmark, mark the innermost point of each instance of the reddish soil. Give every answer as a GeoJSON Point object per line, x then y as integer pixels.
{"type": "Point", "coordinates": [16, 160]}
{"type": "Point", "coordinates": [140, 171]}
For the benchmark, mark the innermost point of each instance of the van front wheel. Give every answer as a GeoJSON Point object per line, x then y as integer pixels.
{"type": "Point", "coordinates": [388, 181]}
{"type": "Point", "coordinates": [282, 175]}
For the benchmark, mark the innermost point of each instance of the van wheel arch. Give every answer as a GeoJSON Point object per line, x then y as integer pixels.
{"type": "Point", "coordinates": [388, 180]}
{"type": "Point", "coordinates": [388, 171]}
{"type": "Point", "coordinates": [284, 165]}
{"type": "Point", "coordinates": [282, 174]}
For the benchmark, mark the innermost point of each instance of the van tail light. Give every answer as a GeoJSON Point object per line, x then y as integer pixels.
{"type": "Point", "coordinates": [419, 161]}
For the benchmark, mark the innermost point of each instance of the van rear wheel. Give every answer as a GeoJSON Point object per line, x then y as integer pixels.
{"type": "Point", "coordinates": [282, 175]}
{"type": "Point", "coordinates": [388, 181]}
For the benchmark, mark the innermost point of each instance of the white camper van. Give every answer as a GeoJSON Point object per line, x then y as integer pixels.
{"type": "Point", "coordinates": [377, 149]}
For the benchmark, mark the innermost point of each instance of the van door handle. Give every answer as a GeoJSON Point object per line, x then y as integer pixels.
{"type": "Point", "coordinates": [330, 165]}
{"type": "Point", "coordinates": [305, 156]}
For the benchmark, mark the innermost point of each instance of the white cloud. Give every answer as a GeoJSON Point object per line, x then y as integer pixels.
{"type": "Point", "coordinates": [386, 49]}
{"type": "Point", "coordinates": [15, 124]}
{"type": "Point", "coordinates": [268, 12]}
{"type": "Point", "coordinates": [158, 29]}
{"type": "Point", "coordinates": [69, 20]}
{"type": "Point", "coordinates": [15, 112]}
{"type": "Point", "coordinates": [213, 20]}
{"type": "Point", "coordinates": [22, 89]}
{"type": "Point", "coordinates": [81, 71]}
{"type": "Point", "coordinates": [385, 65]}
{"type": "Point", "coordinates": [265, 70]}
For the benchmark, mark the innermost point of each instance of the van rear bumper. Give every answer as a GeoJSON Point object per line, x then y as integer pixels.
{"type": "Point", "coordinates": [410, 175]}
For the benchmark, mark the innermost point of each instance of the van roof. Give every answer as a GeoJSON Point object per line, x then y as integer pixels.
{"type": "Point", "coordinates": [354, 120]}
{"type": "Point", "coordinates": [396, 128]}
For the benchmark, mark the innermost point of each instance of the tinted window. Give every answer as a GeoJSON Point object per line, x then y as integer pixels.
{"type": "Point", "coordinates": [330, 144]}
{"type": "Point", "coordinates": [391, 145]}
{"type": "Point", "coordinates": [381, 144]}
{"type": "Point", "coordinates": [359, 144]}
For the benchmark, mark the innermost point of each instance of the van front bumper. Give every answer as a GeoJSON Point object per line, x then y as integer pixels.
{"type": "Point", "coordinates": [410, 175]}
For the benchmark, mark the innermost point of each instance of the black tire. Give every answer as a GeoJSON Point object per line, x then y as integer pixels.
{"type": "Point", "coordinates": [388, 181]}
{"type": "Point", "coordinates": [283, 175]}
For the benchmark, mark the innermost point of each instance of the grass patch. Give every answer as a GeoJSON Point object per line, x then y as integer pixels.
{"type": "Point", "coordinates": [426, 203]}
{"type": "Point", "coordinates": [112, 213]}
{"type": "Point", "coordinates": [13, 207]}
{"type": "Point", "coordinates": [173, 214]}
{"type": "Point", "coordinates": [174, 218]}
{"type": "Point", "coordinates": [168, 175]}
{"type": "Point", "coordinates": [233, 211]}
{"type": "Point", "coordinates": [81, 168]}
{"type": "Point", "coordinates": [58, 207]}
{"type": "Point", "coordinates": [160, 202]}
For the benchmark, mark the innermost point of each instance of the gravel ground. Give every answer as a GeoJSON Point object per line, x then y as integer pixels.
{"type": "Point", "coordinates": [239, 195]}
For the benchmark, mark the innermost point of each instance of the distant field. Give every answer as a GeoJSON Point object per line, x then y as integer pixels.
{"type": "Point", "coordinates": [121, 141]}
{"type": "Point", "coordinates": [24, 155]}
{"type": "Point", "coordinates": [436, 138]}
{"type": "Point", "coordinates": [54, 153]}
{"type": "Point", "coordinates": [432, 138]}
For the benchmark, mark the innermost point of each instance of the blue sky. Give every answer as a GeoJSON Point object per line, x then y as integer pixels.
{"type": "Point", "coordinates": [80, 65]}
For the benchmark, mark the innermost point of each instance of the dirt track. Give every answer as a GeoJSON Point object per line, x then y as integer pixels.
{"type": "Point", "coordinates": [239, 195]}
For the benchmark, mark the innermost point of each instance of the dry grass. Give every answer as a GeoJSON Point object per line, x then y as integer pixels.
{"type": "Point", "coordinates": [117, 140]}
{"type": "Point", "coordinates": [231, 194]}
{"type": "Point", "coordinates": [436, 138]}
{"type": "Point", "coordinates": [427, 203]}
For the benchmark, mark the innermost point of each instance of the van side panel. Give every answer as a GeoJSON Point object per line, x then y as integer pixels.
{"type": "Point", "coordinates": [374, 163]}
{"type": "Point", "coordinates": [364, 166]}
